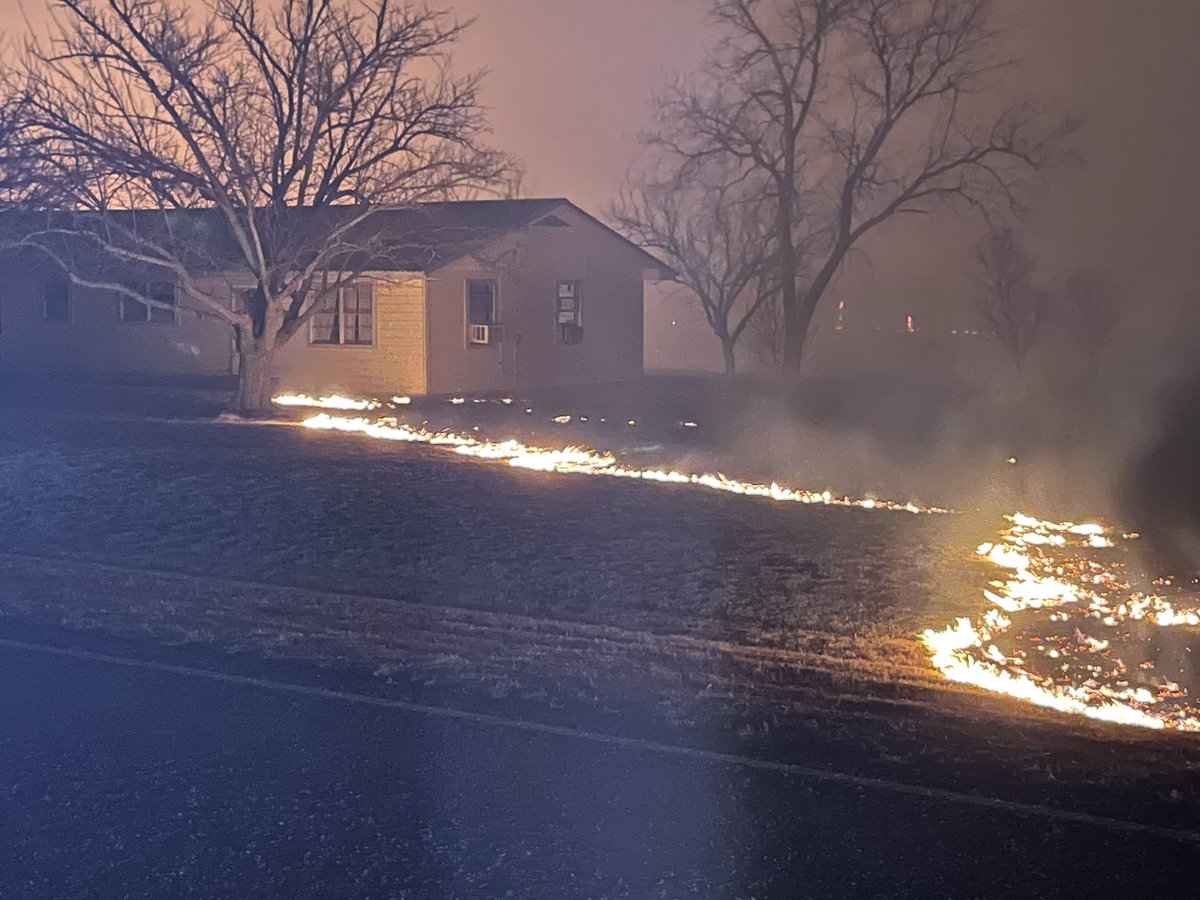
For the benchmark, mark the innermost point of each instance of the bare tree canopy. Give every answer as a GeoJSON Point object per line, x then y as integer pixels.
{"type": "Point", "coordinates": [854, 112]}
{"type": "Point", "coordinates": [712, 227]}
{"type": "Point", "coordinates": [252, 116]}
{"type": "Point", "coordinates": [1012, 304]}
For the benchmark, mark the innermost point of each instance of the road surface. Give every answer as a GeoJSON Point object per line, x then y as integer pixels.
{"type": "Point", "coordinates": [134, 779]}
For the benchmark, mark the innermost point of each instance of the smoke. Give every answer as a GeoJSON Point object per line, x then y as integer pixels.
{"type": "Point", "coordinates": [937, 443]}
{"type": "Point", "coordinates": [1160, 489]}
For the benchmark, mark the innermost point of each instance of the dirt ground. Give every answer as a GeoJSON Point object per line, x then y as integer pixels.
{"type": "Point", "coordinates": [789, 630]}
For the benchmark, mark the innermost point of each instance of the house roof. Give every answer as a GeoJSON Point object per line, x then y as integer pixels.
{"type": "Point", "coordinates": [431, 235]}
{"type": "Point", "coordinates": [420, 238]}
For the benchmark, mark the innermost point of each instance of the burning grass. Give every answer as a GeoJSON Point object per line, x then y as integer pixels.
{"type": "Point", "coordinates": [1065, 626]}
{"type": "Point", "coordinates": [585, 461]}
{"type": "Point", "coordinates": [1055, 622]}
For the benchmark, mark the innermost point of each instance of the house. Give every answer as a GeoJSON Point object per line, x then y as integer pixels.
{"type": "Point", "coordinates": [478, 296]}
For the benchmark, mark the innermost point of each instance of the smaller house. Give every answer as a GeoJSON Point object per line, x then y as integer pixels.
{"type": "Point", "coordinates": [480, 296]}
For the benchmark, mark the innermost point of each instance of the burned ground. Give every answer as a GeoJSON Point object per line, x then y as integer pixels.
{"type": "Point", "coordinates": [340, 514]}
{"type": "Point", "coordinates": [774, 628]}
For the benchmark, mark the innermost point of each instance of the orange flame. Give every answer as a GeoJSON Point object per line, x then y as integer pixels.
{"type": "Point", "coordinates": [1032, 586]}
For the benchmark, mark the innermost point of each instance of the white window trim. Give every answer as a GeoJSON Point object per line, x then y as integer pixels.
{"type": "Point", "coordinates": [342, 342]}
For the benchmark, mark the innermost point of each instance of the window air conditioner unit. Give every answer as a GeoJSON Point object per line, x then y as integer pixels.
{"type": "Point", "coordinates": [479, 334]}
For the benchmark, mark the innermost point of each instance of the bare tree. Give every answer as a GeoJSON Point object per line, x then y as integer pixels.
{"type": "Point", "coordinates": [182, 147]}
{"type": "Point", "coordinates": [710, 228]}
{"type": "Point", "coordinates": [854, 112]}
{"type": "Point", "coordinates": [11, 174]}
{"type": "Point", "coordinates": [766, 332]}
{"type": "Point", "coordinates": [1015, 309]}
{"type": "Point", "coordinates": [1090, 309]}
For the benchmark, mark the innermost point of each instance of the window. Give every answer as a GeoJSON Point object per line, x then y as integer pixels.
{"type": "Point", "coordinates": [326, 323]}
{"type": "Point", "coordinates": [481, 302]}
{"type": "Point", "coordinates": [163, 293]}
{"type": "Point", "coordinates": [481, 312]}
{"type": "Point", "coordinates": [159, 291]}
{"type": "Point", "coordinates": [568, 312]}
{"type": "Point", "coordinates": [56, 300]}
{"type": "Point", "coordinates": [345, 316]}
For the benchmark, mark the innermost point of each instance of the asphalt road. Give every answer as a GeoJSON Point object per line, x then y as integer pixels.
{"type": "Point", "coordinates": [121, 780]}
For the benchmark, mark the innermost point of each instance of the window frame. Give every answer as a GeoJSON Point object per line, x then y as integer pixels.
{"type": "Point", "coordinates": [339, 316]}
{"type": "Point", "coordinates": [147, 317]}
{"type": "Point", "coordinates": [494, 284]}
{"type": "Point", "coordinates": [576, 315]}
{"type": "Point", "coordinates": [68, 306]}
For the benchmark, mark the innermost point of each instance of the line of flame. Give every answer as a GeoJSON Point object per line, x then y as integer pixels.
{"type": "Point", "coordinates": [585, 461]}
{"type": "Point", "coordinates": [330, 401]}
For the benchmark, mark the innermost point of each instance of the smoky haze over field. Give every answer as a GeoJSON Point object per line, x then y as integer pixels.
{"type": "Point", "coordinates": [570, 84]}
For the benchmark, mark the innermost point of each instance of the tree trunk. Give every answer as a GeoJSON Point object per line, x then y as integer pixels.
{"type": "Point", "coordinates": [727, 345]}
{"type": "Point", "coordinates": [253, 397]}
{"type": "Point", "coordinates": [793, 331]}
{"type": "Point", "coordinates": [798, 316]}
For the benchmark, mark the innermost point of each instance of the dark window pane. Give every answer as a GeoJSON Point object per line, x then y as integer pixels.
{"type": "Point", "coordinates": [247, 299]}
{"type": "Point", "coordinates": [132, 310]}
{"type": "Point", "coordinates": [161, 292]}
{"type": "Point", "coordinates": [57, 303]}
{"type": "Point", "coordinates": [481, 302]}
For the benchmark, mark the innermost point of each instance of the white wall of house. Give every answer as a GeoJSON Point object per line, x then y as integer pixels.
{"type": "Point", "coordinates": [393, 362]}
{"type": "Point", "coordinates": [527, 267]}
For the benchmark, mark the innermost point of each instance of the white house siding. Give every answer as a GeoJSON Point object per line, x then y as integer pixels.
{"type": "Point", "coordinates": [394, 364]}
{"type": "Point", "coordinates": [527, 266]}
{"type": "Point", "coordinates": [96, 341]}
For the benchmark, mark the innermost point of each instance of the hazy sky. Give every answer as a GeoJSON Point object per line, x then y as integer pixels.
{"type": "Point", "coordinates": [571, 82]}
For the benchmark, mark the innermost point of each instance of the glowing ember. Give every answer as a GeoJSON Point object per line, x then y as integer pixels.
{"type": "Point", "coordinates": [330, 401]}
{"type": "Point", "coordinates": [1049, 659]}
